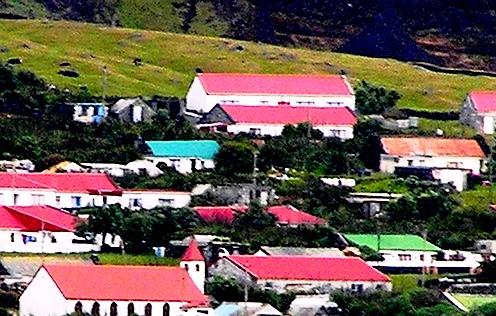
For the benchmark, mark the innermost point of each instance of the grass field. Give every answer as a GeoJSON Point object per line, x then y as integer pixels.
{"type": "Point", "coordinates": [170, 61]}
{"type": "Point", "coordinates": [472, 300]}
{"type": "Point", "coordinates": [406, 282]}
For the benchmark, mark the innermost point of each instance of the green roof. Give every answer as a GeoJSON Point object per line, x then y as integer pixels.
{"type": "Point", "coordinates": [203, 149]}
{"type": "Point", "coordinates": [392, 242]}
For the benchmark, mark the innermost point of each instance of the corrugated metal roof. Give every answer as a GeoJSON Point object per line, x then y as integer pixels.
{"type": "Point", "coordinates": [204, 149]}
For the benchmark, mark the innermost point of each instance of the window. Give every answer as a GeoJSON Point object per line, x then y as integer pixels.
{"type": "Point", "coordinates": [410, 162]}
{"type": "Point", "coordinates": [264, 102]}
{"type": "Point", "coordinates": [337, 133]}
{"type": "Point", "coordinates": [130, 309]}
{"type": "Point", "coordinates": [166, 310]}
{"type": "Point", "coordinates": [57, 200]}
{"type": "Point", "coordinates": [197, 267]}
{"type": "Point", "coordinates": [335, 103]}
{"type": "Point", "coordinates": [422, 257]}
{"type": "Point", "coordinates": [105, 200]}
{"type": "Point", "coordinates": [16, 198]}
{"type": "Point", "coordinates": [405, 257]}
{"type": "Point", "coordinates": [135, 202]}
{"type": "Point", "coordinates": [165, 202]}
{"type": "Point", "coordinates": [357, 288]}
{"type": "Point", "coordinates": [255, 131]}
{"type": "Point", "coordinates": [422, 162]}
{"type": "Point", "coordinates": [454, 164]}
{"type": "Point", "coordinates": [175, 163]}
{"type": "Point", "coordinates": [142, 171]}
{"type": "Point", "coordinates": [186, 267]}
{"type": "Point", "coordinates": [76, 201]}
{"type": "Point", "coordinates": [78, 308]}
{"type": "Point", "coordinates": [95, 310]}
{"type": "Point", "coordinates": [1, 198]}
{"type": "Point", "coordinates": [113, 309]}
{"type": "Point", "coordinates": [37, 199]}
{"type": "Point", "coordinates": [148, 309]}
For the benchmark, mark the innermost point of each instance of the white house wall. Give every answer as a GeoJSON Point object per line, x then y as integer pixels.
{"type": "Point", "coordinates": [303, 286]}
{"type": "Point", "coordinates": [42, 297]}
{"type": "Point", "coordinates": [152, 199]}
{"type": "Point", "coordinates": [343, 132]}
{"type": "Point", "coordinates": [42, 244]}
{"type": "Point", "coordinates": [182, 164]}
{"type": "Point", "coordinates": [388, 162]}
{"type": "Point", "coordinates": [139, 307]}
{"type": "Point", "coordinates": [196, 98]}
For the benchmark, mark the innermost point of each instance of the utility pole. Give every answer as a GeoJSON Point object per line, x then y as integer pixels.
{"type": "Point", "coordinates": [104, 84]}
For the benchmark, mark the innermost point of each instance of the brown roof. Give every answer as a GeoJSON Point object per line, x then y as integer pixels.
{"type": "Point", "coordinates": [430, 146]}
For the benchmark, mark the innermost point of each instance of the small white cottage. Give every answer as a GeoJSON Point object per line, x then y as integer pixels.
{"type": "Point", "coordinates": [479, 111]}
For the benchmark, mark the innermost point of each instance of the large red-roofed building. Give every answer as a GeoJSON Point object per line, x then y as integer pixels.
{"type": "Point", "coordinates": [210, 89]}
{"type": "Point", "coordinates": [61, 289]}
{"type": "Point", "coordinates": [302, 273]}
{"type": "Point", "coordinates": [479, 111]}
{"type": "Point", "coordinates": [270, 120]}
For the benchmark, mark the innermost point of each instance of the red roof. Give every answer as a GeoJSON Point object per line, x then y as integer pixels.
{"type": "Point", "coordinates": [285, 214]}
{"type": "Point", "coordinates": [193, 252]}
{"type": "Point", "coordinates": [219, 214]}
{"type": "Point", "coordinates": [484, 101]}
{"type": "Point", "coordinates": [429, 146]}
{"type": "Point", "coordinates": [36, 218]}
{"type": "Point", "coordinates": [284, 114]}
{"type": "Point", "coordinates": [289, 215]}
{"type": "Point", "coordinates": [125, 283]}
{"type": "Point", "coordinates": [275, 84]}
{"type": "Point", "coordinates": [95, 183]}
{"type": "Point", "coordinates": [308, 268]}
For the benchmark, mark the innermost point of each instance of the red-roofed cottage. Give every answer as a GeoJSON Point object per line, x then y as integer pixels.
{"type": "Point", "coordinates": [210, 89]}
{"type": "Point", "coordinates": [63, 190]}
{"type": "Point", "coordinates": [112, 290]}
{"type": "Point", "coordinates": [431, 152]}
{"type": "Point", "coordinates": [286, 215]}
{"type": "Point", "coordinates": [302, 273]}
{"type": "Point", "coordinates": [479, 111]}
{"type": "Point", "coordinates": [270, 120]}
{"type": "Point", "coordinates": [75, 190]}
{"type": "Point", "coordinates": [38, 229]}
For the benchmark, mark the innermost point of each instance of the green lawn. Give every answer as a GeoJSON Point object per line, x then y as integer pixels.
{"type": "Point", "coordinates": [170, 61]}
{"type": "Point", "coordinates": [406, 282]}
{"type": "Point", "coordinates": [473, 300]}
{"type": "Point", "coordinates": [477, 199]}
{"type": "Point", "coordinates": [379, 183]}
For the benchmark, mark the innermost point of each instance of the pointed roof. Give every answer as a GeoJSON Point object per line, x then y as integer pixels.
{"type": "Point", "coordinates": [193, 252]}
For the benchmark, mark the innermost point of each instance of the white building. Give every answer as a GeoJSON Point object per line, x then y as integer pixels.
{"type": "Point", "coordinates": [479, 111]}
{"type": "Point", "coordinates": [193, 261]}
{"type": "Point", "coordinates": [151, 198]}
{"type": "Point", "coordinates": [40, 229]}
{"type": "Point", "coordinates": [185, 156]}
{"type": "Point", "coordinates": [302, 273]}
{"type": "Point", "coordinates": [210, 89]}
{"type": "Point", "coordinates": [412, 254]}
{"type": "Point", "coordinates": [112, 290]}
{"type": "Point", "coordinates": [76, 190]}
{"type": "Point", "coordinates": [432, 153]}
{"type": "Point", "coordinates": [270, 120]}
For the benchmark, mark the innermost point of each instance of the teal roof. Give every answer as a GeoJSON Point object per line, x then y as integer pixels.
{"type": "Point", "coordinates": [204, 149]}
{"type": "Point", "coordinates": [392, 242]}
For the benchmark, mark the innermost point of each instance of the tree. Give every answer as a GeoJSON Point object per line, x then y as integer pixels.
{"type": "Point", "coordinates": [105, 220]}
{"type": "Point", "coordinates": [256, 218]}
{"type": "Point", "coordinates": [235, 158]}
{"type": "Point", "coordinates": [137, 232]}
{"type": "Point", "coordinates": [371, 99]}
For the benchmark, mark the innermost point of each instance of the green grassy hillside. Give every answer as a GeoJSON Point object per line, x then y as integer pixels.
{"type": "Point", "coordinates": [170, 61]}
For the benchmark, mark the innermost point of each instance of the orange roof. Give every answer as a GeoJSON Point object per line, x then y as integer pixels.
{"type": "Point", "coordinates": [430, 146]}
{"type": "Point", "coordinates": [125, 283]}
{"type": "Point", "coordinates": [193, 252]}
